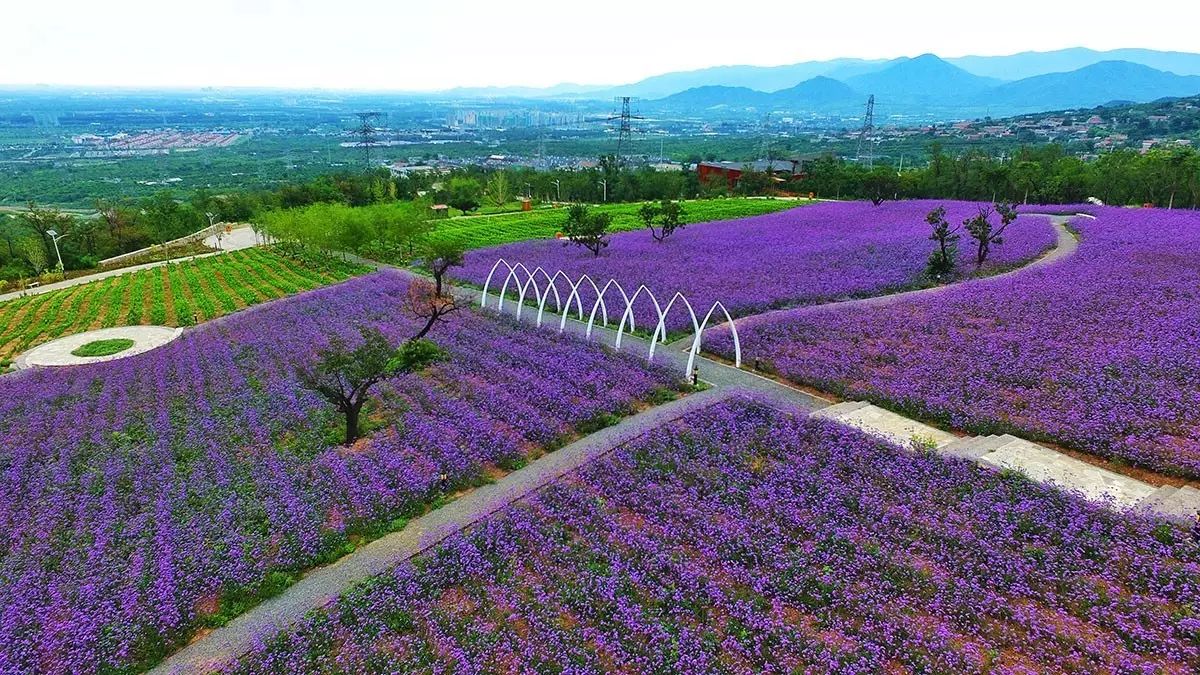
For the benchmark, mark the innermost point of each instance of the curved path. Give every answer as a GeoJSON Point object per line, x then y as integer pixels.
{"type": "Point", "coordinates": [58, 352]}
{"type": "Point", "coordinates": [1065, 245]}
{"type": "Point", "coordinates": [324, 585]}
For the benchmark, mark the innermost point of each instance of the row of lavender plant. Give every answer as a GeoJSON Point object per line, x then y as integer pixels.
{"type": "Point", "coordinates": [746, 540]}
{"type": "Point", "coordinates": [142, 498]}
{"type": "Point", "coordinates": [1099, 351]}
{"type": "Point", "coordinates": [814, 254]}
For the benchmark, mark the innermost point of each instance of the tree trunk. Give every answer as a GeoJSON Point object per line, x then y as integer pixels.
{"type": "Point", "coordinates": [428, 325]}
{"type": "Point", "coordinates": [352, 411]}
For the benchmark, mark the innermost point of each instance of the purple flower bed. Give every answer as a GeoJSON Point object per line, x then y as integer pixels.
{"type": "Point", "coordinates": [142, 498]}
{"type": "Point", "coordinates": [744, 540]}
{"type": "Point", "coordinates": [807, 255]}
{"type": "Point", "coordinates": [1099, 351]}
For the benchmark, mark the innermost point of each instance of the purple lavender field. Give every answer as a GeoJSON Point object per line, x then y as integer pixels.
{"type": "Point", "coordinates": [1099, 351]}
{"type": "Point", "coordinates": [808, 255]}
{"type": "Point", "coordinates": [743, 540]}
{"type": "Point", "coordinates": [146, 497]}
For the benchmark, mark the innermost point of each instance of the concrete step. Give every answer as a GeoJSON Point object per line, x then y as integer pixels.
{"type": "Point", "coordinates": [895, 428]}
{"type": "Point", "coordinates": [837, 410]}
{"type": "Point", "coordinates": [1047, 466]}
{"type": "Point", "coordinates": [1181, 506]}
{"type": "Point", "coordinates": [973, 447]}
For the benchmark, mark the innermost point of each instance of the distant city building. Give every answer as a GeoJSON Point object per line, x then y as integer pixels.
{"type": "Point", "coordinates": [399, 169]}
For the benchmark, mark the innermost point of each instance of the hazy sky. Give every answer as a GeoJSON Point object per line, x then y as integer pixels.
{"type": "Point", "coordinates": [436, 44]}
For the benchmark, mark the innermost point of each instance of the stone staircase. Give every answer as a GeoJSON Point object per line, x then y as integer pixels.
{"type": "Point", "coordinates": [886, 424]}
{"type": "Point", "coordinates": [1037, 462]}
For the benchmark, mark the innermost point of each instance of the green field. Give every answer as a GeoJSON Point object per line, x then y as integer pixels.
{"type": "Point", "coordinates": [484, 231]}
{"type": "Point", "coordinates": [171, 295]}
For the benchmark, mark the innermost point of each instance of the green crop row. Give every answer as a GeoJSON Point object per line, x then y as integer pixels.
{"type": "Point", "coordinates": [178, 294]}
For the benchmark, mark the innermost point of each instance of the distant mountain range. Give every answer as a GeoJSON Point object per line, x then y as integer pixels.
{"type": "Point", "coordinates": [927, 84]}
{"type": "Point", "coordinates": [931, 85]}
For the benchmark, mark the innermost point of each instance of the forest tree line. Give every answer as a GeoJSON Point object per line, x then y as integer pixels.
{"type": "Point", "coordinates": [1162, 177]}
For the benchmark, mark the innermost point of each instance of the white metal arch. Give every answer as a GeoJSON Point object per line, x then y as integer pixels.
{"type": "Point", "coordinates": [737, 345]}
{"type": "Point", "coordinates": [523, 279]}
{"type": "Point", "coordinates": [629, 312]}
{"type": "Point", "coordinates": [521, 287]}
{"type": "Point", "coordinates": [660, 331]}
{"type": "Point", "coordinates": [487, 282]}
{"type": "Point", "coordinates": [579, 303]}
{"type": "Point", "coordinates": [600, 303]}
{"type": "Point", "coordinates": [552, 284]}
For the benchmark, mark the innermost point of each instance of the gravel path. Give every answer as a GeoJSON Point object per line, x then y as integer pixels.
{"type": "Point", "coordinates": [58, 352]}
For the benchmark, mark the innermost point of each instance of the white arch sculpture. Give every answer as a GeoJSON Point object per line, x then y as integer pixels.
{"type": "Point", "coordinates": [530, 280]}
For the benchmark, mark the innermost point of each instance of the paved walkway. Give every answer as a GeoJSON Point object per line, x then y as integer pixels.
{"type": "Point", "coordinates": [58, 352]}
{"type": "Point", "coordinates": [324, 585]}
{"type": "Point", "coordinates": [238, 239]}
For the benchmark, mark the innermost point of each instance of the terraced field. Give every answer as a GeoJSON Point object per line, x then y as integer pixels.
{"type": "Point", "coordinates": [484, 231]}
{"type": "Point", "coordinates": [172, 295]}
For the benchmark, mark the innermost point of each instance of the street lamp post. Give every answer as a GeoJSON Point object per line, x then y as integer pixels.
{"type": "Point", "coordinates": [604, 184]}
{"type": "Point", "coordinates": [212, 223]}
{"type": "Point", "coordinates": [54, 237]}
{"type": "Point", "coordinates": [557, 189]}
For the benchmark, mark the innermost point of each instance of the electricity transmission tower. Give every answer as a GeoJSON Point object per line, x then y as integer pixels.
{"type": "Point", "coordinates": [624, 127]}
{"type": "Point", "coordinates": [366, 133]}
{"type": "Point", "coordinates": [864, 143]}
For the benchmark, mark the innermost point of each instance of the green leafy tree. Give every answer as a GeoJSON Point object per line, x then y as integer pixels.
{"type": "Point", "coordinates": [344, 376]}
{"type": "Point", "coordinates": [498, 190]}
{"type": "Point", "coordinates": [587, 229]}
{"type": "Point", "coordinates": [986, 234]}
{"type": "Point", "coordinates": [754, 182]}
{"type": "Point", "coordinates": [944, 258]}
{"type": "Point", "coordinates": [880, 184]}
{"type": "Point", "coordinates": [648, 214]}
{"type": "Point", "coordinates": [667, 215]}
{"type": "Point", "coordinates": [1026, 176]}
{"type": "Point", "coordinates": [439, 255]}
{"type": "Point", "coordinates": [43, 220]}
{"type": "Point", "coordinates": [463, 194]}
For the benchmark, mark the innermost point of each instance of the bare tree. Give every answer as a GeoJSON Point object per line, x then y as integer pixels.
{"type": "Point", "coordinates": [423, 301]}
{"type": "Point", "coordinates": [986, 234]}
{"type": "Point", "coordinates": [945, 256]}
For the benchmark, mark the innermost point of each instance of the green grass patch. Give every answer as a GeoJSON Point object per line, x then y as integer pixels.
{"type": "Point", "coordinates": [103, 347]}
{"type": "Point", "coordinates": [485, 231]}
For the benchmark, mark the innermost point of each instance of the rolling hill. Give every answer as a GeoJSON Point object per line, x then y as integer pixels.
{"type": "Point", "coordinates": [1092, 85]}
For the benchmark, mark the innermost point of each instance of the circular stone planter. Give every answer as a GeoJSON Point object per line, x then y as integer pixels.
{"type": "Point", "coordinates": [58, 352]}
